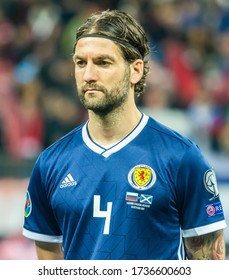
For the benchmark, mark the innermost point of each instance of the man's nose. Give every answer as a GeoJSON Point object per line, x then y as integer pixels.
{"type": "Point", "coordinates": [90, 73]}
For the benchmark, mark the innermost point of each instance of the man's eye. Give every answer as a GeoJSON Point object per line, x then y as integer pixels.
{"type": "Point", "coordinates": [103, 63]}
{"type": "Point", "coordinates": [80, 63]}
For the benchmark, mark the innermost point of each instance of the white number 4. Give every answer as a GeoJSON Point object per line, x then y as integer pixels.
{"type": "Point", "coordinates": [97, 213]}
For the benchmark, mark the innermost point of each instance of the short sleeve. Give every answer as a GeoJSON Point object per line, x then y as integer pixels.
{"type": "Point", "coordinates": [200, 208]}
{"type": "Point", "coordinates": [39, 221]}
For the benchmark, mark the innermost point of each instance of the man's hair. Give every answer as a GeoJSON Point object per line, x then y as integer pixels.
{"type": "Point", "coordinates": [124, 30]}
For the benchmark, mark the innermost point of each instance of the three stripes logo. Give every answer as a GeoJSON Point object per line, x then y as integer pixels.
{"type": "Point", "coordinates": [68, 182]}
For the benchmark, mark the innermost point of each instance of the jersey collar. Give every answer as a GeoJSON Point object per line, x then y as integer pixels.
{"type": "Point", "coordinates": [118, 146]}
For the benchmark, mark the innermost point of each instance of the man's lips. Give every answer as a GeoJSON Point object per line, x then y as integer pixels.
{"type": "Point", "coordinates": [92, 90]}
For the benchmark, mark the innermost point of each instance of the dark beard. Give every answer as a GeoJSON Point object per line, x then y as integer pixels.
{"type": "Point", "coordinates": [105, 108]}
{"type": "Point", "coordinates": [111, 100]}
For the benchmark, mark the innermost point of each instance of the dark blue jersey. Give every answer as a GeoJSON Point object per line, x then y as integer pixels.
{"type": "Point", "coordinates": [135, 200]}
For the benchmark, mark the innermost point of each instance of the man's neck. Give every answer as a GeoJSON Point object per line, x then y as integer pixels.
{"type": "Point", "coordinates": [113, 127]}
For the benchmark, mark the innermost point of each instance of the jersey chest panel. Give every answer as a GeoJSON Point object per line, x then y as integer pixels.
{"type": "Point", "coordinates": [108, 199]}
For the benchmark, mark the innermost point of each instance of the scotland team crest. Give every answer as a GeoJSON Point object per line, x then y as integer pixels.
{"type": "Point", "coordinates": [142, 177]}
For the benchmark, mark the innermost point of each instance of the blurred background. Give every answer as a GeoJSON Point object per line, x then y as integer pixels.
{"type": "Point", "coordinates": [187, 88]}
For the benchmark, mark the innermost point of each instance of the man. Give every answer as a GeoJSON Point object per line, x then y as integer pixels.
{"type": "Point", "coordinates": [121, 186]}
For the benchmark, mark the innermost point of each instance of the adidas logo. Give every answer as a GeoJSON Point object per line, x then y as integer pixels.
{"type": "Point", "coordinates": [68, 182]}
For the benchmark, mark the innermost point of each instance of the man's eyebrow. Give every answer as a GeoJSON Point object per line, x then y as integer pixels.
{"type": "Point", "coordinates": [99, 57]}
{"type": "Point", "coordinates": [105, 56]}
{"type": "Point", "coordinates": [75, 56]}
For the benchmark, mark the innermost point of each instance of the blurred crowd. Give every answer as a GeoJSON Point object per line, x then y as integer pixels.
{"type": "Point", "coordinates": [189, 67]}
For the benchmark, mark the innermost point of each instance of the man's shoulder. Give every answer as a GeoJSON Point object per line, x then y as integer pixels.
{"type": "Point", "coordinates": [65, 142]}
{"type": "Point", "coordinates": [167, 133]}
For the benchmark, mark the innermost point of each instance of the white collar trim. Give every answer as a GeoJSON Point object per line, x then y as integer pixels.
{"type": "Point", "coordinates": [116, 147]}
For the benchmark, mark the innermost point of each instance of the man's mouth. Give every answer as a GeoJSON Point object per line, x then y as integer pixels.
{"type": "Point", "coordinates": [91, 90]}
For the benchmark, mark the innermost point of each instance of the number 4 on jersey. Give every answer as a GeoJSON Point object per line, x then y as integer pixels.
{"type": "Point", "coordinates": [97, 213]}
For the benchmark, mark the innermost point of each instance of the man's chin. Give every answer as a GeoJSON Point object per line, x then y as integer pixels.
{"type": "Point", "coordinates": [100, 110]}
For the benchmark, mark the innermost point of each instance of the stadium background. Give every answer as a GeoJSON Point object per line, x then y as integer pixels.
{"type": "Point", "coordinates": [187, 88]}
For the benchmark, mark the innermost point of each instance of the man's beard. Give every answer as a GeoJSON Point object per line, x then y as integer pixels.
{"type": "Point", "coordinates": [110, 100]}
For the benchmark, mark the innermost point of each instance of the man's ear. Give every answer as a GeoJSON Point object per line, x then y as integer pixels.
{"type": "Point", "coordinates": [136, 71]}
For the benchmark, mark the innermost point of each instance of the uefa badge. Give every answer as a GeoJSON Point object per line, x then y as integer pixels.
{"type": "Point", "coordinates": [28, 205]}
{"type": "Point", "coordinates": [211, 183]}
{"type": "Point", "coordinates": [142, 177]}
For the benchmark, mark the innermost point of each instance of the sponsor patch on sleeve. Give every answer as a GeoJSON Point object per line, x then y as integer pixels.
{"type": "Point", "coordinates": [214, 209]}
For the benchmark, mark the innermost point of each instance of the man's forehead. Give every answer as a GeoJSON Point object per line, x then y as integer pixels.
{"type": "Point", "coordinates": [97, 46]}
